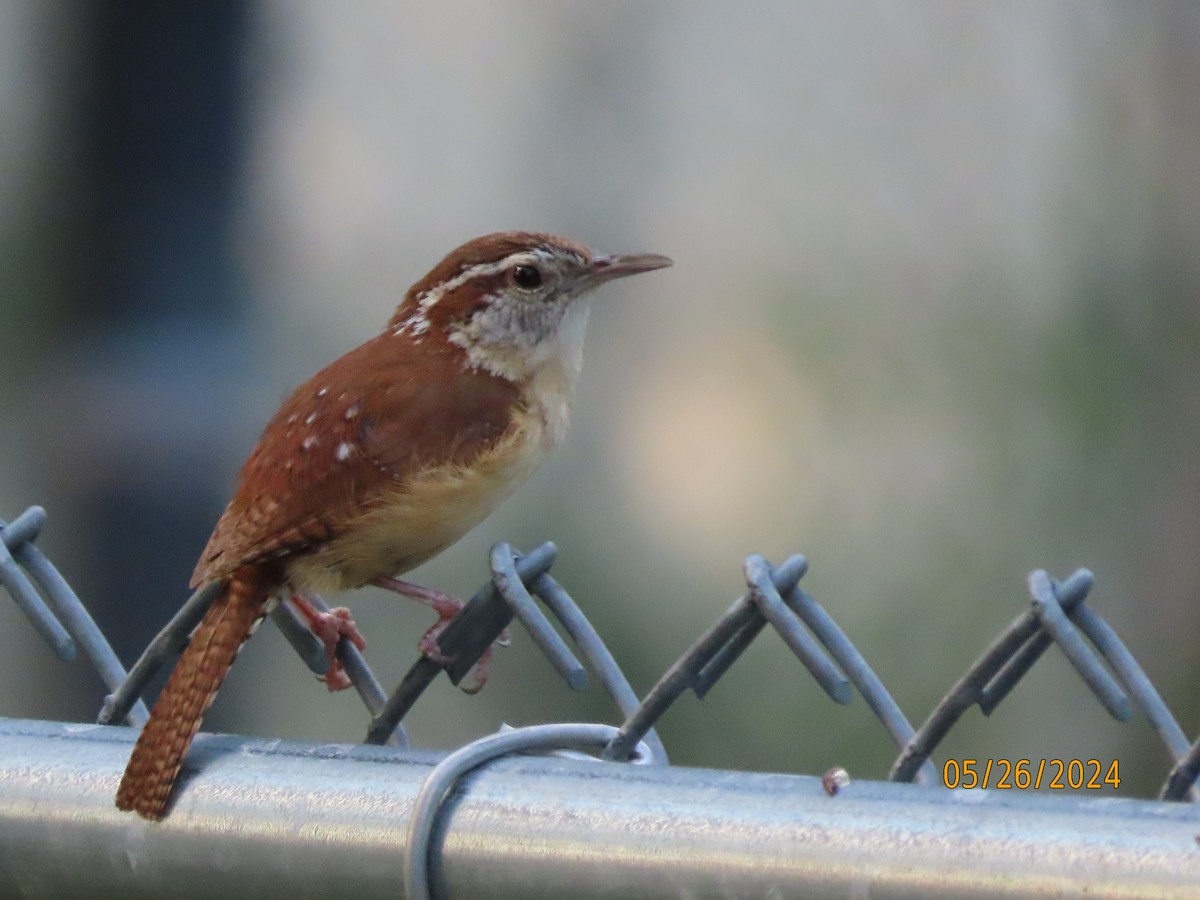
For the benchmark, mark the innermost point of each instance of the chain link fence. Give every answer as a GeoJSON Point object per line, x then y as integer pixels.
{"type": "Point", "coordinates": [254, 816]}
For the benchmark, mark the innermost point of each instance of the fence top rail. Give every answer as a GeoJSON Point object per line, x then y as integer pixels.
{"type": "Point", "coordinates": [273, 818]}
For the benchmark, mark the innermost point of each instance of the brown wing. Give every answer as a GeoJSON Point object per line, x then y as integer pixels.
{"type": "Point", "coordinates": [374, 417]}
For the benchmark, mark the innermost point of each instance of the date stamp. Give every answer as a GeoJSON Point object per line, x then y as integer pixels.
{"type": "Point", "coordinates": [1031, 774]}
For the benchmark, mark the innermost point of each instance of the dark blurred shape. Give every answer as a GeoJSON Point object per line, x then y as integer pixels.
{"type": "Point", "coordinates": [160, 111]}
{"type": "Point", "coordinates": [153, 299]}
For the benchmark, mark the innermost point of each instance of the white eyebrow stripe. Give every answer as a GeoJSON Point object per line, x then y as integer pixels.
{"type": "Point", "coordinates": [428, 299]}
{"type": "Point", "coordinates": [418, 322]}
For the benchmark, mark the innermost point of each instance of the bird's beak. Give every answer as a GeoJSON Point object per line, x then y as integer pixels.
{"type": "Point", "coordinates": [609, 267]}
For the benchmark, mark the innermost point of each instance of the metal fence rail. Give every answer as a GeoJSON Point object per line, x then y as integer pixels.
{"type": "Point", "coordinates": [278, 819]}
{"type": "Point", "coordinates": [299, 820]}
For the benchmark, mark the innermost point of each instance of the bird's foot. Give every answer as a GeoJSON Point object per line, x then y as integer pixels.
{"type": "Point", "coordinates": [330, 627]}
{"type": "Point", "coordinates": [447, 607]}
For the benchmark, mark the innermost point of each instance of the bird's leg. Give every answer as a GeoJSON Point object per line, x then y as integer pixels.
{"type": "Point", "coordinates": [329, 628]}
{"type": "Point", "coordinates": [447, 607]}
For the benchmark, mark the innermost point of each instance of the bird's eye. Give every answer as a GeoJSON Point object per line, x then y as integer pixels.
{"type": "Point", "coordinates": [526, 277]}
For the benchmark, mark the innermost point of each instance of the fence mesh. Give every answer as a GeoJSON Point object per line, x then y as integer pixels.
{"type": "Point", "coordinates": [522, 590]}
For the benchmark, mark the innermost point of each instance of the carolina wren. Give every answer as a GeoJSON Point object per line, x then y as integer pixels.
{"type": "Point", "coordinates": [386, 457]}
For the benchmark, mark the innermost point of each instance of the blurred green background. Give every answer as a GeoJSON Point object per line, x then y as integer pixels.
{"type": "Point", "coordinates": [934, 322]}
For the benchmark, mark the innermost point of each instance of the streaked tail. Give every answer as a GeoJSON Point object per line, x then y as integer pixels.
{"type": "Point", "coordinates": [190, 690]}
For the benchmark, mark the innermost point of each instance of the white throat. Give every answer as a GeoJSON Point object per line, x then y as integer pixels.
{"type": "Point", "coordinates": [548, 371]}
{"type": "Point", "coordinates": [557, 355]}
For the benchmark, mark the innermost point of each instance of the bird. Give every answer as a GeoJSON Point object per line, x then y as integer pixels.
{"type": "Point", "coordinates": [385, 458]}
